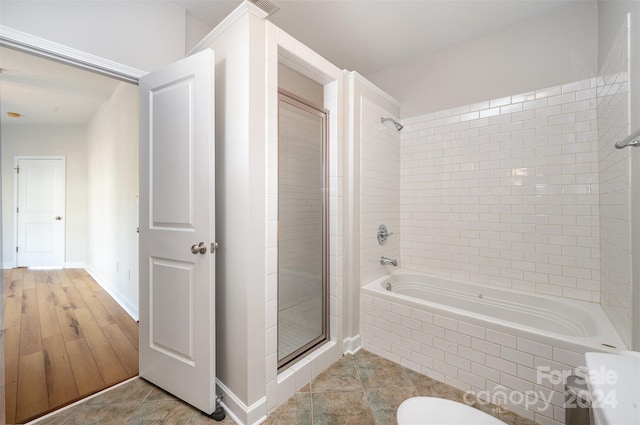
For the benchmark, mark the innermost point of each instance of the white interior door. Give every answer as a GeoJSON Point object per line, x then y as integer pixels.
{"type": "Point", "coordinates": [177, 279]}
{"type": "Point", "coordinates": [40, 214]}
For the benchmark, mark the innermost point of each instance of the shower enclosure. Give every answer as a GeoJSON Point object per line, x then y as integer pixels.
{"type": "Point", "coordinates": [302, 227]}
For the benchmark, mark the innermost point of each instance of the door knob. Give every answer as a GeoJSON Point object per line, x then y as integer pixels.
{"type": "Point", "coordinates": [201, 248]}
{"type": "Point", "coordinates": [58, 217]}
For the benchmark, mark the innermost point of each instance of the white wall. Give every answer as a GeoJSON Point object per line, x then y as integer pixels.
{"type": "Point", "coordinates": [246, 47]}
{"type": "Point", "coordinates": [195, 31]}
{"type": "Point", "coordinates": [140, 34]}
{"type": "Point", "coordinates": [549, 49]}
{"type": "Point", "coordinates": [67, 141]}
{"type": "Point", "coordinates": [240, 225]}
{"type": "Point", "coordinates": [284, 49]}
{"type": "Point", "coordinates": [505, 192]}
{"type": "Point", "coordinates": [112, 180]}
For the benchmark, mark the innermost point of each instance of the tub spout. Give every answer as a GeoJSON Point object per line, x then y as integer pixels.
{"type": "Point", "coordinates": [392, 261]}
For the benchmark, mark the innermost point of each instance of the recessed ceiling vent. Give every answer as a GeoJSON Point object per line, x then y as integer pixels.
{"type": "Point", "coordinates": [267, 5]}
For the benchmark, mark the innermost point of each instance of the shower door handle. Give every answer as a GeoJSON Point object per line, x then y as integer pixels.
{"type": "Point", "coordinates": [201, 248]}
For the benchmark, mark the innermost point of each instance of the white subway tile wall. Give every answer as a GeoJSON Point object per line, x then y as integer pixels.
{"type": "Point", "coordinates": [505, 192]}
{"type": "Point", "coordinates": [615, 222]}
{"type": "Point", "coordinates": [380, 190]}
{"type": "Point", "coordinates": [510, 369]}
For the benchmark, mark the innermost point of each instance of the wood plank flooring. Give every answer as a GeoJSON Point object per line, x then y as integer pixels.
{"type": "Point", "coordinates": [65, 338]}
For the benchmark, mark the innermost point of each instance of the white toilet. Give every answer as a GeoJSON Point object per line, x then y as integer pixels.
{"type": "Point", "coordinates": [440, 411]}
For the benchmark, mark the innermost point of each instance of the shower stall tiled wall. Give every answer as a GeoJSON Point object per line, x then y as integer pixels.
{"type": "Point", "coordinates": [380, 190]}
{"type": "Point", "coordinates": [524, 191]}
{"type": "Point", "coordinates": [505, 192]}
{"type": "Point", "coordinates": [615, 186]}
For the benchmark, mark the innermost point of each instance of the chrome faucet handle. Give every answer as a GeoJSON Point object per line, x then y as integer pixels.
{"type": "Point", "coordinates": [383, 234]}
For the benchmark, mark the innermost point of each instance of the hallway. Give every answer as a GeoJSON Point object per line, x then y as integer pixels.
{"type": "Point", "coordinates": [65, 338]}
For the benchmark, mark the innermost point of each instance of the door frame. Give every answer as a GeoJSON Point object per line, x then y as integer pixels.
{"type": "Point", "coordinates": [28, 43]}
{"type": "Point", "coordinates": [318, 111]}
{"type": "Point", "coordinates": [16, 176]}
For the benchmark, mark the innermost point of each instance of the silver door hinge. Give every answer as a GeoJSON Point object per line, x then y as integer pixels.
{"type": "Point", "coordinates": [18, 170]}
{"type": "Point", "coordinates": [214, 247]}
{"type": "Point", "coordinates": [16, 249]}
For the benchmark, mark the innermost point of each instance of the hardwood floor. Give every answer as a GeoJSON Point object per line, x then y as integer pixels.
{"type": "Point", "coordinates": [64, 337]}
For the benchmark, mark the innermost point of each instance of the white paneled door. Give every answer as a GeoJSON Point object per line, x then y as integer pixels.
{"type": "Point", "coordinates": [177, 267]}
{"type": "Point", "coordinates": [40, 214]}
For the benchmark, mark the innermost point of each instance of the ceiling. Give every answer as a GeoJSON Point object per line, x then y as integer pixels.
{"type": "Point", "coordinates": [371, 35]}
{"type": "Point", "coordinates": [46, 92]}
{"type": "Point", "coordinates": [362, 35]}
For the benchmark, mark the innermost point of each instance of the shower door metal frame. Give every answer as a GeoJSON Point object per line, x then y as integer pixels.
{"type": "Point", "coordinates": [323, 113]}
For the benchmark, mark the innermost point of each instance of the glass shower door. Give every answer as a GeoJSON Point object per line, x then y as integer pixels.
{"type": "Point", "coordinates": [302, 228]}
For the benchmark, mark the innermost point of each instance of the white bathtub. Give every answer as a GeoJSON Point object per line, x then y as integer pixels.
{"type": "Point", "coordinates": [483, 339]}
{"type": "Point", "coordinates": [568, 321]}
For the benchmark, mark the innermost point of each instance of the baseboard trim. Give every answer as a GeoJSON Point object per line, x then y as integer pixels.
{"type": "Point", "coordinates": [46, 267]}
{"type": "Point", "coordinates": [238, 411]}
{"type": "Point", "coordinates": [75, 265]}
{"type": "Point", "coordinates": [352, 345]}
{"type": "Point", "coordinates": [132, 310]}
{"type": "Point", "coordinates": [67, 265]}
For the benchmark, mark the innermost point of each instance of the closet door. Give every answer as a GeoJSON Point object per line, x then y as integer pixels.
{"type": "Point", "coordinates": [41, 212]}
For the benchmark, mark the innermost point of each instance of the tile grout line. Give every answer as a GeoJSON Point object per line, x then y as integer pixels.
{"type": "Point", "coordinates": [364, 392]}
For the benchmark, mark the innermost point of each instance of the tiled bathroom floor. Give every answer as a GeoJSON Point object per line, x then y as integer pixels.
{"type": "Point", "coordinates": [357, 390]}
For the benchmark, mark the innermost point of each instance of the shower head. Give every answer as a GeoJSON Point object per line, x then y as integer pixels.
{"type": "Point", "coordinates": [396, 123]}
